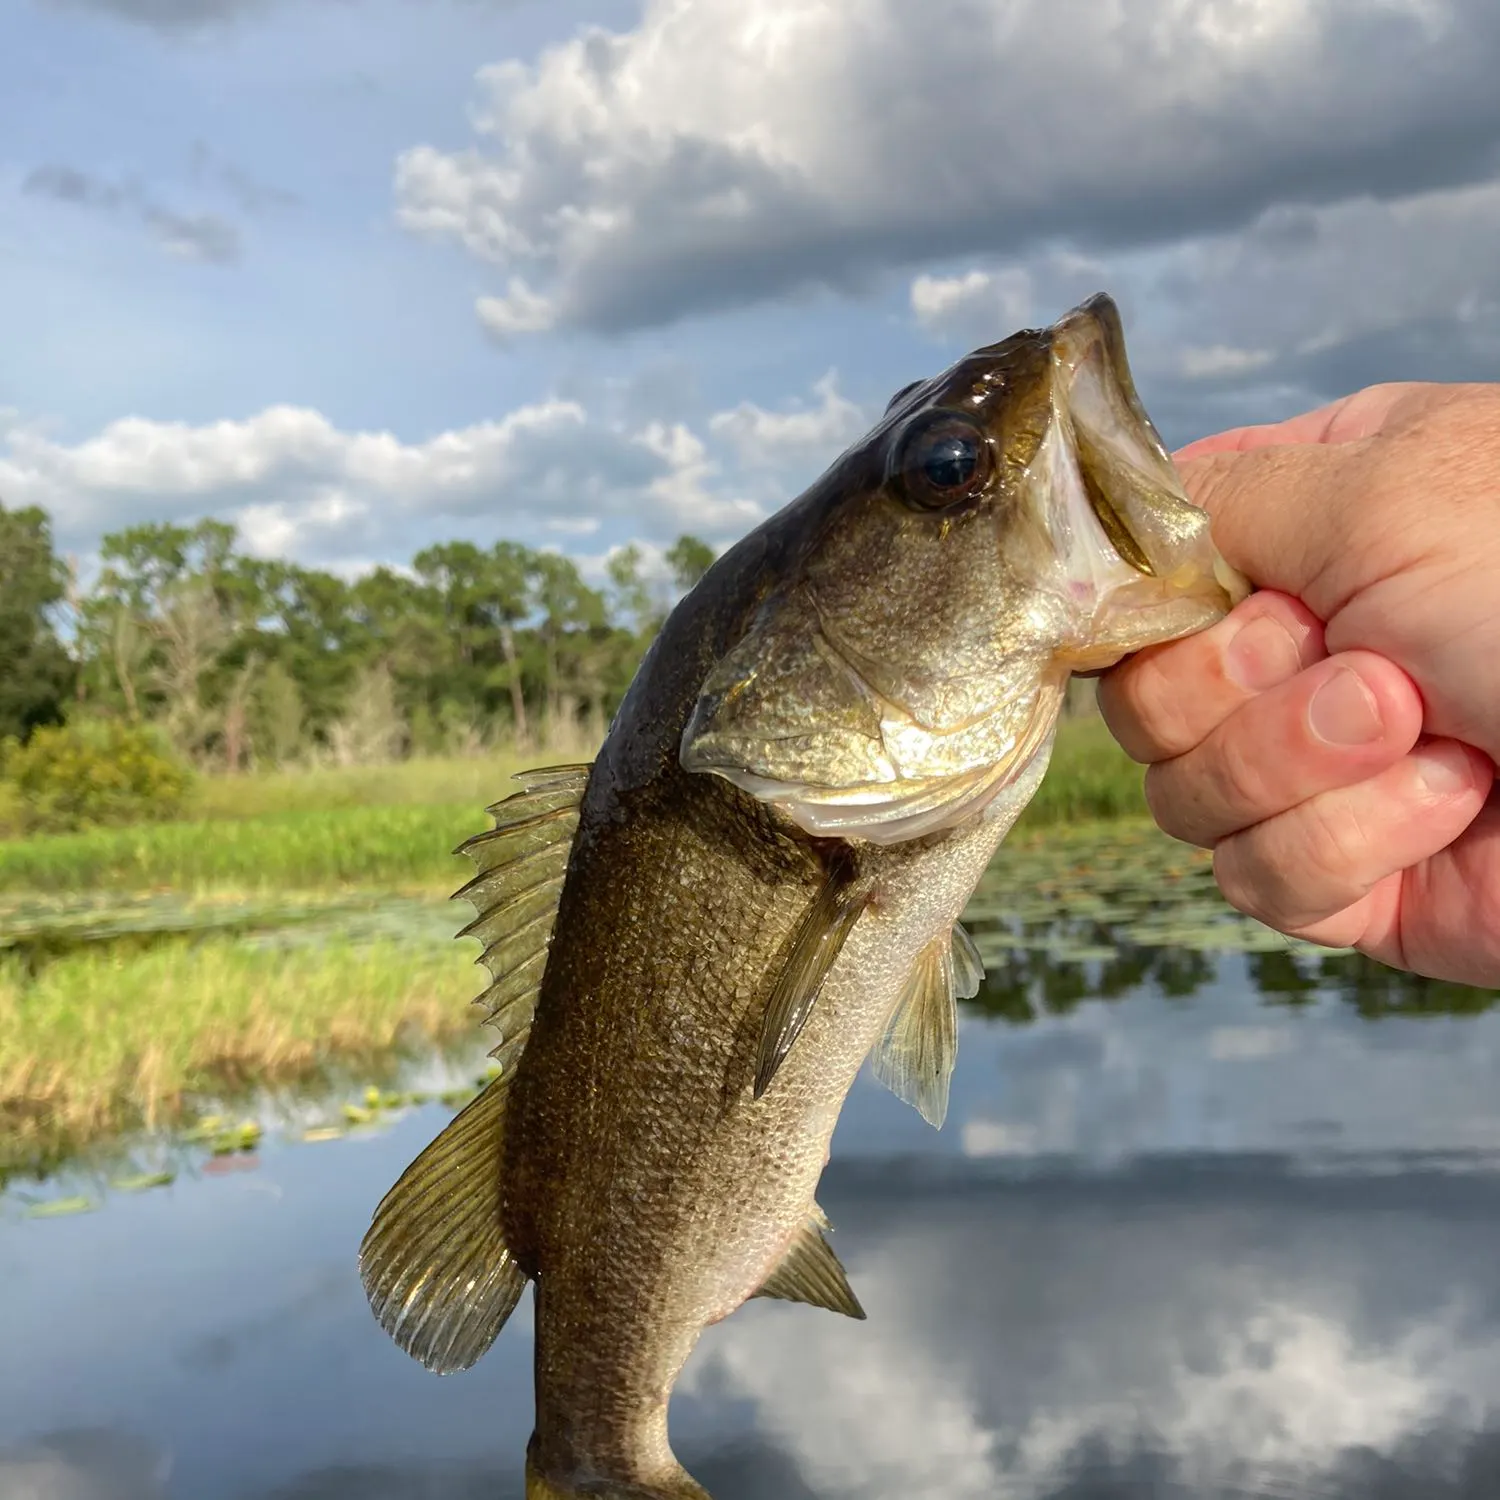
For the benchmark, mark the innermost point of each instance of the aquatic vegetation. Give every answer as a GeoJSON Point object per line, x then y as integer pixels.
{"type": "Point", "coordinates": [110, 1038]}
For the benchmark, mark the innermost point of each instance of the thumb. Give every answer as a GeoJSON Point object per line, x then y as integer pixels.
{"type": "Point", "coordinates": [1359, 415]}
{"type": "Point", "coordinates": [1280, 514]}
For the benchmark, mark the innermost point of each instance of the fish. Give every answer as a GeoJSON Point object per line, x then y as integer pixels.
{"type": "Point", "coordinates": [696, 941]}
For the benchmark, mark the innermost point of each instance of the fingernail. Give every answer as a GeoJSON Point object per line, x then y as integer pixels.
{"type": "Point", "coordinates": [1261, 655]}
{"type": "Point", "coordinates": [1444, 770]}
{"type": "Point", "coordinates": [1344, 711]}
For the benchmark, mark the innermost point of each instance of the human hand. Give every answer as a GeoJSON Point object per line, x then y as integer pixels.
{"type": "Point", "coordinates": [1381, 514]}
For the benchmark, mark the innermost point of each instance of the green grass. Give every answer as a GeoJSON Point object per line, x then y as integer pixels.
{"type": "Point", "coordinates": [432, 780]}
{"type": "Point", "coordinates": [395, 826]}
{"type": "Point", "coordinates": [388, 847]}
{"type": "Point", "coordinates": [1090, 779]}
{"type": "Point", "coordinates": [104, 1040]}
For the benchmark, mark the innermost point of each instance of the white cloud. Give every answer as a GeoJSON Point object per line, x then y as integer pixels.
{"type": "Point", "coordinates": [1001, 300]}
{"type": "Point", "coordinates": [1303, 304]}
{"type": "Point", "coordinates": [802, 436]}
{"type": "Point", "coordinates": [1222, 359]}
{"type": "Point", "coordinates": [298, 486]}
{"type": "Point", "coordinates": [520, 310]}
{"type": "Point", "coordinates": [724, 151]}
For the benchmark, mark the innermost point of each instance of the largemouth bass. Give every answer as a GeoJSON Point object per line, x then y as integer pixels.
{"type": "Point", "coordinates": [696, 942]}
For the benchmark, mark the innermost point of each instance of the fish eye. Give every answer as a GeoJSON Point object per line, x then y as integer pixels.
{"type": "Point", "coordinates": [942, 460]}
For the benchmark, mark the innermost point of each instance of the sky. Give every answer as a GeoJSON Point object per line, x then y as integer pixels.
{"type": "Point", "coordinates": [362, 275]}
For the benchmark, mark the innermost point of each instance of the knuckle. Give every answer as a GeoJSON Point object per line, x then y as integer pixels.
{"type": "Point", "coordinates": [1239, 884]}
{"type": "Point", "coordinates": [1172, 805]}
{"type": "Point", "coordinates": [1336, 842]}
{"type": "Point", "coordinates": [1240, 777]}
{"type": "Point", "coordinates": [1156, 704]}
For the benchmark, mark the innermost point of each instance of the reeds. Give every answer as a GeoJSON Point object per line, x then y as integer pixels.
{"type": "Point", "coordinates": [113, 1038]}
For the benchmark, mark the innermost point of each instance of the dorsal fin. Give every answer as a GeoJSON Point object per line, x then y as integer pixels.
{"type": "Point", "coordinates": [521, 864]}
{"type": "Point", "coordinates": [435, 1265]}
{"type": "Point", "coordinates": [914, 1059]}
{"type": "Point", "coordinates": [810, 1272]}
{"type": "Point", "coordinates": [819, 938]}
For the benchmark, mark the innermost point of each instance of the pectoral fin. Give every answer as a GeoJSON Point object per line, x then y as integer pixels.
{"type": "Point", "coordinates": [810, 1272]}
{"type": "Point", "coordinates": [818, 941]}
{"type": "Point", "coordinates": [914, 1059]}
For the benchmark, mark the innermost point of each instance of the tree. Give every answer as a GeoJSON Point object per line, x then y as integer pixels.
{"type": "Point", "coordinates": [570, 608]}
{"type": "Point", "coordinates": [36, 673]}
{"type": "Point", "coordinates": [630, 594]}
{"type": "Point", "coordinates": [689, 559]}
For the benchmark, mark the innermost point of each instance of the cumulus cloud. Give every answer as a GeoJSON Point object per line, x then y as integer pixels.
{"type": "Point", "coordinates": [807, 436]}
{"type": "Point", "coordinates": [724, 151]}
{"type": "Point", "coordinates": [298, 486]}
{"type": "Point", "coordinates": [201, 237]}
{"type": "Point", "coordinates": [1000, 298]}
{"type": "Point", "coordinates": [1303, 304]}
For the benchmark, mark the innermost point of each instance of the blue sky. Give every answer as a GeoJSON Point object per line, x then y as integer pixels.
{"type": "Point", "coordinates": [363, 274]}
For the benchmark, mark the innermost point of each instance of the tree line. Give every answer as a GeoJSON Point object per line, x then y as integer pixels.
{"type": "Point", "coordinates": [244, 661]}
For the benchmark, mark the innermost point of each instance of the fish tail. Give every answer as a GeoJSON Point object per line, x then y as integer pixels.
{"type": "Point", "coordinates": [541, 1486]}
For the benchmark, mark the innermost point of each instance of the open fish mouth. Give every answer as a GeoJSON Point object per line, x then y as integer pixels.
{"type": "Point", "coordinates": [1137, 558]}
{"type": "Point", "coordinates": [1011, 521]}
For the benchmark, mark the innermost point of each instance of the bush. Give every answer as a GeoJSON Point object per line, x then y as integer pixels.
{"type": "Point", "coordinates": [84, 775]}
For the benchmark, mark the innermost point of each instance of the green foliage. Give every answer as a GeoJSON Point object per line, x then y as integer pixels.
{"type": "Point", "coordinates": [689, 559]}
{"type": "Point", "coordinates": [36, 674]}
{"type": "Point", "coordinates": [1090, 777]}
{"type": "Point", "coordinates": [89, 774]}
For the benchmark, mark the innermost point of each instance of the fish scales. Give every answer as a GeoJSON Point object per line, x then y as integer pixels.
{"type": "Point", "coordinates": [814, 765]}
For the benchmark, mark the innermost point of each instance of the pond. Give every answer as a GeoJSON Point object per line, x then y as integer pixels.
{"type": "Point", "coordinates": [1211, 1216]}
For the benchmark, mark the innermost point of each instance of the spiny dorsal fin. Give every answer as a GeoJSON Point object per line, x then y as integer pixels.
{"type": "Point", "coordinates": [434, 1262]}
{"type": "Point", "coordinates": [818, 941]}
{"type": "Point", "coordinates": [521, 863]}
{"type": "Point", "coordinates": [914, 1059]}
{"type": "Point", "coordinates": [810, 1272]}
{"type": "Point", "coordinates": [968, 966]}
{"type": "Point", "coordinates": [435, 1265]}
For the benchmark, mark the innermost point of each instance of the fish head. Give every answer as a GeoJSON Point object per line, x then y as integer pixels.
{"type": "Point", "coordinates": [1007, 523]}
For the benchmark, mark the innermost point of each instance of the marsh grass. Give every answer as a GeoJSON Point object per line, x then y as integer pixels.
{"type": "Point", "coordinates": [473, 781]}
{"type": "Point", "coordinates": [130, 1030]}
{"type": "Point", "coordinates": [110, 1040]}
{"type": "Point", "coordinates": [284, 851]}
{"type": "Point", "coordinates": [395, 826]}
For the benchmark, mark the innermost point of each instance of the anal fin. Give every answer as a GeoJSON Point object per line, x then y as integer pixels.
{"type": "Point", "coordinates": [810, 1272]}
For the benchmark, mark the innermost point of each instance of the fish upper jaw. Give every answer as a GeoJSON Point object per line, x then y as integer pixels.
{"type": "Point", "coordinates": [1135, 561]}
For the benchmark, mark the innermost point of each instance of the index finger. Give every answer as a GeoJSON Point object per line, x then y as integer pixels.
{"type": "Point", "coordinates": [1162, 702]}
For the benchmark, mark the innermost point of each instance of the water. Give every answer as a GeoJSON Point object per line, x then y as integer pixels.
{"type": "Point", "coordinates": [1168, 1245]}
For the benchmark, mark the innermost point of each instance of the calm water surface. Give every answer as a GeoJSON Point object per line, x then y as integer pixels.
{"type": "Point", "coordinates": [1214, 1245]}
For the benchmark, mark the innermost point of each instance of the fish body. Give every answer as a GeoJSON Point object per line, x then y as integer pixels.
{"type": "Point", "coordinates": [697, 941]}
